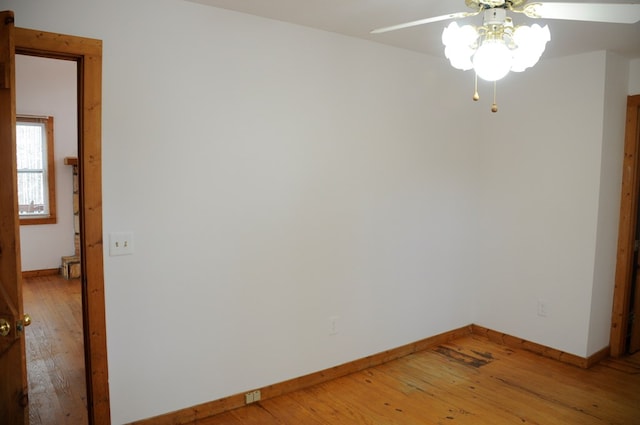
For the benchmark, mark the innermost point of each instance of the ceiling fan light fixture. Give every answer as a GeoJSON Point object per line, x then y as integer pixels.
{"type": "Point", "coordinates": [495, 48]}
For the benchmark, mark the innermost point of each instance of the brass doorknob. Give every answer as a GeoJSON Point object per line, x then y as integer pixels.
{"type": "Point", "coordinates": [21, 324]}
{"type": "Point", "coordinates": [5, 327]}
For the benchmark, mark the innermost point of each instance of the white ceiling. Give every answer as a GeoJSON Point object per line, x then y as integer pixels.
{"type": "Point", "coordinates": [357, 18]}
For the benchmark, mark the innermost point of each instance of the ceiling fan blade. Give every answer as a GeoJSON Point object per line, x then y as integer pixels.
{"type": "Point", "coordinates": [619, 13]}
{"type": "Point", "coordinates": [425, 21]}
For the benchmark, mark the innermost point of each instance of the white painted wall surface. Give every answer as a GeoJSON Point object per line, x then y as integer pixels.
{"type": "Point", "coordinates": [614, 114]}
{"type": "Point", "coordinates": [48, 87]}
{"type": "Point", "coordinates": [541, 177]}
{"type": "Point", "coordinates": [634, 76]}
{"type": "Point", "coordinates": [275, 176]}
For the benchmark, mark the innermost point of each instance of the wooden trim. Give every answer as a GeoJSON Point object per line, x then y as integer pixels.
{"type": "Point", "coordinates": [552, 353]}
{"type": "Point", "coordinates": [88, 54]}
{"type": "Point", "coordinates": [597, 357]}
{"type": "Point", "coordinates": [38, 273]}
{"type": "Point", "coordinates": [199, 412]}
{"type": "Point", "coordinates": [626, 230]}
{"type": "Point", "coordinates": [52, 45]}
{"type": "Point", "coordinates": [90, 176]}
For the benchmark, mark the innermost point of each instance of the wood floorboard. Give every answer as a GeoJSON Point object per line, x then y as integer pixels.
{"type": "Point", "coordinates": [415, 408]}
{"type": "Point", "coordinates": [327, 401]}
{"type": "Point", "coordinates": [55, 351]}
{"type": "Point", "coordinates": [427, 399]}
{"type": "Point", "coordinates": [226, 418]}
{"type": "Point", "coordinates": [291, 412]}
{"type": "Point", "coordinates": [613, 398]}
{"type": "Point", "coordinates": [539, 384]}
{"type": "Point", "coordinates": [457, 387]}
{"type": "Point", "coordinates": [467, 381]}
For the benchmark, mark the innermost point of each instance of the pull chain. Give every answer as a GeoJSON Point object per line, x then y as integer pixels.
{"type": "Point", "coordinates": [494, 107]}
{"type": "Point", "coordinates": [476, 96]}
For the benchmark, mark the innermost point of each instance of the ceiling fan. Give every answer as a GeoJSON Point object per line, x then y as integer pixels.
{"type": "Point", "coordinates": [498, 46]}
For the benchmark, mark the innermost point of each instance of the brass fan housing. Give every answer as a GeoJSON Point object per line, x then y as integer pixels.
{"type": "Point", "coordinates": [488, 4]}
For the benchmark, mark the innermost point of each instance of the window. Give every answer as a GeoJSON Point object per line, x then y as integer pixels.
{"type": "Point", "coordinates": [36, 174]}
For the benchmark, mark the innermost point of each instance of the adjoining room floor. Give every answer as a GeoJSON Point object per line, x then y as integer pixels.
{"type": "Point", "coordinates": [55, 351]}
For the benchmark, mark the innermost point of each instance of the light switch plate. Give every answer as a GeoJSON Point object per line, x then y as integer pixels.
{"type": "Point", "coordinates": [120, 243]}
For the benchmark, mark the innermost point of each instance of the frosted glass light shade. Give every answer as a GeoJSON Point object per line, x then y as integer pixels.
{"type": "Point", "coordinates": [531, 42]}
{"type": "Point", "coordinates": [460, 44]}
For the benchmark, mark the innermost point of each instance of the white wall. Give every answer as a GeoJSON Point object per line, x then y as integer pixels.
{"type": "Point", "coordinates": [48, 87]}
{"type": "Point", "coordinates": [551, 189]}
{"type": "Point", "coordinates": [614, 114]}
{"type": "Point", "coordinates": [634, 77]}
{"type": "Point", "coordinates": [320, 181]}
{"type": "Point", "coordinates": [541, 172]}
{"type": "Point", "coordinates": [275, 176]}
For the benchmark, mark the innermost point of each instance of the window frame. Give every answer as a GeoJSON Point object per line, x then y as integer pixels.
{"type": "Point", "coordinates": [51, 218]}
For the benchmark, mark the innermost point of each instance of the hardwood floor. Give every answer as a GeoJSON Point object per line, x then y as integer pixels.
{"type": "Point", "coordinates": [55, 351]}
{"type": "Point", "coordinates": [469, 381]}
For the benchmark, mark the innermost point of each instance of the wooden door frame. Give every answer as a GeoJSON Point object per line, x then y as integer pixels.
{"type": "Point", "coordinates": [13, 372]}
{"type": "Point", "coordinates": [88, 55]}
{"type": "Point", "coordinates": [626, 230]}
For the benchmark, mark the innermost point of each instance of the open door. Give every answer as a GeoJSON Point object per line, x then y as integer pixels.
{"type": "Point", "coordinates": [13, 384]}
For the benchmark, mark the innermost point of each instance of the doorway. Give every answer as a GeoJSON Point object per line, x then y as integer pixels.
{"type": "Point", "coordinates": [88, 55]}
{"type": "Point", "coordinates": [46, 89]}
{"type": "Point", "coordinates": [625, 323]}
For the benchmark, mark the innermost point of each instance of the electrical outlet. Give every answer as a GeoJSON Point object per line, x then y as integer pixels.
{"type": "Point", "coordinates": [120, 243]}
{"type": "Point", "coordinates": [333, 325]}
{"type": "Point", "coordinates": [252, 397]}
{"type": "Point", "coordinates": [543, 308]}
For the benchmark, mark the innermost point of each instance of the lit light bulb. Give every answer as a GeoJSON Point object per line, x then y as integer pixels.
{"type": "Point", "coordinates": [493, 60]}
